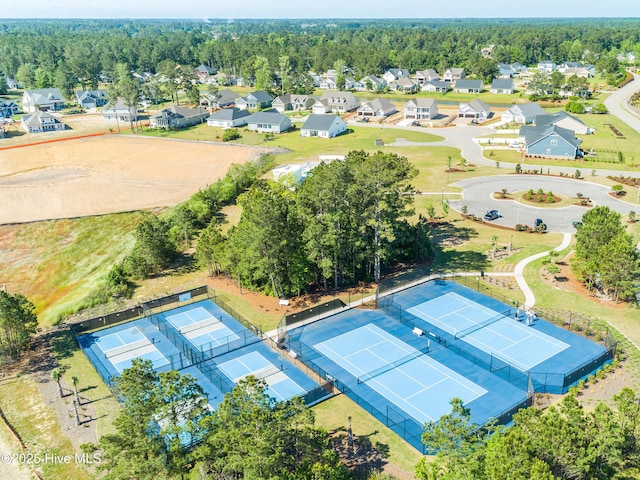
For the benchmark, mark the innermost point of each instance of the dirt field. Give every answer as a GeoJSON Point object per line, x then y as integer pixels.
{"type": "Point", "coordinates": [107, 174]}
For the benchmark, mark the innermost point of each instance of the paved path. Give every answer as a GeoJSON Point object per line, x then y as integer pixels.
{"type": "Point", "coordinates": [618, 103]}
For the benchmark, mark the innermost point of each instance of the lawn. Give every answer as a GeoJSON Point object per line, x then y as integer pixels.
{"type": "Point", "coordinates": [58, 264]}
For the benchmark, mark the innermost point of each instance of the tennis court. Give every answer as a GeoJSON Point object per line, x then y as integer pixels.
{"type": "Point", "coordinates": [279, 384]}
{"type": "Point", "coordinates": [201, 328]}
{"type": "Point", "coordinates": [418, 384]}
{"type": "Point", "coordinates": [120, 348]}
{"type": "Point", "coordinates": [494, 332]}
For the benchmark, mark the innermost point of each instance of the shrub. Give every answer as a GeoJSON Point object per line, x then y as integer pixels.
{"type": "Point", "coordinates": [540, 191]}
{"type": "Point", "coordinates": [579, 195]}
{"type": "Point", "coordinates": [230, 134]}
{"type": "Point", "coordinates": [521, 227]}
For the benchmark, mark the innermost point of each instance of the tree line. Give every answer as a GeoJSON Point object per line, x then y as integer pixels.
{"type": "Point", "coordinates": [63, 53]}
{"type": "Point", "coordinates": [346, 222]}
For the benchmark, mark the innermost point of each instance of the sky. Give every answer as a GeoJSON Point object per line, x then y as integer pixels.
{"type": "Point", "coordinates": [232, 9]}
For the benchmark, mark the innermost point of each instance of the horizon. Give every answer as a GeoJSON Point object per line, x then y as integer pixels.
{"type": "Point", "coordinates": [295, 10]}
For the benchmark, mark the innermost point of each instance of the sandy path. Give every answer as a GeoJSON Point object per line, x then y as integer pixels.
{"type": "Point", "coordinates": [11, 469]}
{"type": "Point", "coordinates": [107, 174]}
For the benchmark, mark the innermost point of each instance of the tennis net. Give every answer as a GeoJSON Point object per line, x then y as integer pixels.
{"type": "Point", "coordinates": [199, 325]}
{"type": "Point", "coordinates": [126, 348]}
{"type": "Point", "coordinates": [486, 323]}
{"type": "Point", "coordinates": [267, 371]}
{"type": "Point", "coordinates": [390, 366]}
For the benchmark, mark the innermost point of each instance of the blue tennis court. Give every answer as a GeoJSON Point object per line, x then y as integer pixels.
{"type": "Point", "coordinates": [489, 330]}
{"type": "Point", "coordinates": [418, 384]}
{"type": "Point", "coordinates": [279, 384]}
{"type": "Point", "coordinates": [120, 348]}
{"type": "Point", "coordinates": [201, 327]}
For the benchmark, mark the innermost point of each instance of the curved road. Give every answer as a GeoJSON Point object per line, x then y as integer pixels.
{"type": "Point", "coordinates": [618, 103]}
{"type": "Point", "coordinates": [478, 197]}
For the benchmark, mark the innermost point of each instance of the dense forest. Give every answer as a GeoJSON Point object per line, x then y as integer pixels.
{"type": "Point", "coordinates": [55, 52]}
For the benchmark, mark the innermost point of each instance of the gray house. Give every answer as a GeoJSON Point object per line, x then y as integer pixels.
{"type": "Point", "coordinates": [468, 86]}
{"type": "Point", "coordinates": [178, 117]}
{"type": "Point", "coordinates": [502, 85]}
{"type": "Point", "coordinates": [268, 122]}
{"type": "Point", "coordinates": [335, 102]}
{"type": "Point", "coordinates": [476, 109]}
{"type": "Point", "coordinates": [221, 99]}
{"type": "Point", "coordinates": [438, 86]}
{"type": "Point", "coordinates": [254, 101]}
{"type": "Point", "coordinates": [550, 141]}
{"type": "Point", "coordinates": [8, 109]}
{"type": "Point", "coordinates": [92, 99]}
{"type": "Point", "coordinates": [228, 118]}
{"type": "Point", "coordinates": [119, 112]}
{"type": "Point", "coordinates": [523, 113]}
{"type": "Point", "coordinates": [42, 99]}
{"type": "Point", "coordinates": [293, 102]}
{"type": "Point", "coordinates": [324, 126]}
{"type": "Point", "coordinates": [564, 120]}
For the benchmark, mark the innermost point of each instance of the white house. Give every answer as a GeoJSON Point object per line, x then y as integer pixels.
{"type": "Point", "coordinates": [438, 86]}
{"type": "Point", "coordinates": [378, 107]}
{"type": "Point", "coordinates": [42, 99]}
{"type": "Point", "coordinates": [502, 85]}
{"type": "Point", "coordinates": [119, 112]}
{"type": "Point", "coordinates": [453, 74]}
{"type": "Point", "coordinates": [564, 120]}
{"type": "Point", "coordinates": [325, 126]}
{"type": "Point", "coordinates": [468, 86]}
{"type": "Point", "coordinates": [427, 75]}
{"type": "Point", "coordinates": [475, 109]}
{"type": "Point", "coordinates": [228, 118]}
{"type": "Point", "coordinates": [40, 121]}
{"type": "Point", "coordinates": [394, 74]}
{"type": "Point", "coordinates": [522, 113]}
{"type": "Point", "coordinates": [421, 109]}
{"type": "Point", "coordinates": [547, 66]}
{"type": "Point", "coordinates": [268, 122]}
{"type": "Point", "coordinates": [336, 102]}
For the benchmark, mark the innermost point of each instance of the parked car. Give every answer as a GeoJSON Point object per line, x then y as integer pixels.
{"type": "Point", "coordinates": [415, 123]}
{"type": "Point", "coordinates": [540, 225]}
{"type": "Point", "coordinates": [492, 215]}
{"type": "Point", "coordinates": [577, 225]}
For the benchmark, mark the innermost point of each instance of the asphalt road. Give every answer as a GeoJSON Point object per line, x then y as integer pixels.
{"type": "Point", "coordinates": [478, 196]}
{"type": "Point", "coordinates": [617, 103]}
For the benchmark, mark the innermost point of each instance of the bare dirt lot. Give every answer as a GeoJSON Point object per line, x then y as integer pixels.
{"type": "Point", "coordinates": [105, 174]}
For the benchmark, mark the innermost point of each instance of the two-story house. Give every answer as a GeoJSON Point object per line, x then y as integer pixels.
{"type": "Point", "coordinates": [421, 109]}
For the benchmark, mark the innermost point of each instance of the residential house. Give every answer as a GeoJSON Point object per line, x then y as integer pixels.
{"type": "Point", "coordinates": [8, 109]}
{"type": "Point", "coordinates": [221, 99]}
{"type": "Point", "coordinates": [378, 107]}
{"type": "Point", "coordinates": [371, 83]}
{"type": "Point", "coordinates": [349, 83]}
{"type": "Point", "coordinates": [468, 86]}
{"type": "Point", "coordinates": [518, 68]}
{"type": "Point", "coordinates": [292, 102]}
{"type": "Point", "coordinates": [502, 85]}
{"type": "Point", "coordinates": [324, 126]}
{"type": "Point", "coordinates": [423, 76]}
{"type": "Point", "coordinates": [421, 109]}
{"type": "Point", "coordinates": [563, 67]}
{"type": "Point", "coordinates": [42, 99]}
{"type": "Point", "coordinates": [40, 121]}
{"type": "Point", "coordinates": [550, 141]}
{"type": "Point", "coordinates": [204, 75]}
{"type": "Point", "coordinates": [393, 74]}
{"type": "Point", "coordinates": [547, 66]}
{"type": "Point", "coordinates": [178, 117]}
{"type": "Point", "coordinates": [564, 120]}
{"type": "Point", "coordinates": [254, 101]}
{"type": "Point", "coordinates": [222, 79]}
{"type": "Point", "coordinates": [270, 121]}
{"type": "Point", "coordinates": [486, 52]}
{"type": "Point", "coordinates": [584, 71]}
{"type": "Point", "coordinates": [505, 70]}
{"type": "Point", "coordinates": [92, 99]}
{"type": "Point", "coordinates": [439, 86]}
{"type": "Point", "coordinates": [329, 83]}
{"type": "Point", "coordinates": [338, 102]}
{"type": "Point", "coordinates": [404, 85]}
{"type": "Point", "coordinates": [453, 74]}
{"type": "Point", "coordinates": [475, 109]}
{"type": "Point", "coordinates": [120, 112]}
{"type": "Point", "coordinates": [228, 118]}
{"type": "Point", "coordinates": [523, 113]}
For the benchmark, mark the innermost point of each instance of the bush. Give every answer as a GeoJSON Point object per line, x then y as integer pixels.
{"type": "Point", "coordinates": [520, 227]}
{"type": "Point", "coordinates": [230, 134]}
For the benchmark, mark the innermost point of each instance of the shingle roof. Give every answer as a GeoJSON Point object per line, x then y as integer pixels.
{"type": "Point", "coordinates": [551, 118]}
{"type": "Point", "coordinates": [423, 102]}
{"type": "Point", "coordinates": [533, 134]}
{"type": "Point", "coordinates": [229, 114]}
{"type": "Point", "coordinates": [479, 106]}
{"type": "Point", "coordinates": [469, 85]}
{"type": "Point", "coordinates": [273, 117]}
{"type": "Point", "coordinates": [319, 122]}
{"type": "Point", "coordinates": [502, 84]}
{"type": "Point", "coordinates": [528, 109]}
{"type": "Point", "coordinates": [36, 118]}
{"type": "Point", "coordinates": [261, 96]}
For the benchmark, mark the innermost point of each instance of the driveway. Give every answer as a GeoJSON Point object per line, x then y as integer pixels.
{"type": "Point", "coordinates": [477, 195]}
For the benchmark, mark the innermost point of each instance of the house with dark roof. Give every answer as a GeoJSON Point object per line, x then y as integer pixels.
{"type": "Point", "coordinates": [254, 101]}
{"type": "Point", "coordinates": [324, 126]}
{"type": "Point", "coordinates": [476, 109]}
{"type": "Point", "coordinates": [468, 86]}
{"type": "Point", "coordinates": [8, 109]}
{"type": "Point", "coordinates": [40, 121]}
{"type": "Point", "coordinates": [228, 118]}
{"type": "Point", "coordinates": [421, 109]}
{"type": "Point", "coordinates": [502, 85]}
{"type": "Point", "coordinates": [43, 99]}
{"type": "Point", "coordinates": [92, 99]}
{"type": "Point", "coordinates": [270, 121]}
{"type": "Point", "coordinates": [119, 111]}
{"type": "Point", "coordinates": [378, 107]}
{"type": "Point", "coordinates": [221, 99]}
{"type": "Point", "coordinates": [438, 86]}
{"type": "Point", "coordinates": [178, 117]}
{"type": "Point", "coordinates": [550, 141]}
{"type": "Point", "coordinates": [564, 120]}
{"type": "Point", "coordinates": [523, 113]}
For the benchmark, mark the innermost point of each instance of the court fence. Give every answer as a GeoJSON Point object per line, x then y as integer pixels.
{"type": "Point", "coordinates": [322, 310]}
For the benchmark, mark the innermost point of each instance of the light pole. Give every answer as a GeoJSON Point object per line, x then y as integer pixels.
{"type": "Point", "coordinates": [448, 168]}
{"type": "Point", "coordinates": [442, 195]}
